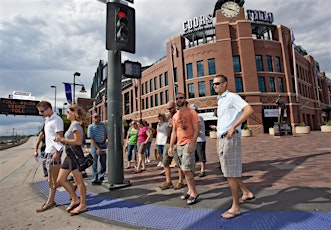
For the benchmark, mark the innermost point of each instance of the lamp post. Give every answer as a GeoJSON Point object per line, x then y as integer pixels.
{"type": "Point", "coordinates": [53, 86]}
{"type": "Point", "coordinates": [63, 113]}
{"type": "Point", "coordinates": [75, 74]}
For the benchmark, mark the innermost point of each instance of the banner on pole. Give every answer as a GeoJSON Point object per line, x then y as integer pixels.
{"type": "Point", "coordinates": [67, 88]}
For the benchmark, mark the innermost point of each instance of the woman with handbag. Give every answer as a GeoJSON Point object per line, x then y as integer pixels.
{"type": "Point", "coordinates": [73, 140]}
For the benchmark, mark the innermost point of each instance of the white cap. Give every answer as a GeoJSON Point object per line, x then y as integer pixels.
{"type": "Point", "coordinates": [194, 107]}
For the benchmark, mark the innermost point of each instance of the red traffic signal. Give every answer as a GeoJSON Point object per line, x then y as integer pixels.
{"type": "Point", "coordinates": [120, 27]}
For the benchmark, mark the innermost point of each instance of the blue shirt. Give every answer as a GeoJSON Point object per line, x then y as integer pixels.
{"type": "Point", "coordinates": [97, 132]}
{"type": "Point", "coordinates": [229, 109]}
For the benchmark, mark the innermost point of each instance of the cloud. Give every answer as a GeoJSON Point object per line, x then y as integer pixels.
{"type": "Point", "coordinates": [43, 42]}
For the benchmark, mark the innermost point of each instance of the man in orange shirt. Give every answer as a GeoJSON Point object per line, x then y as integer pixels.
{"type": "Point", "coordinates": [185, 130]}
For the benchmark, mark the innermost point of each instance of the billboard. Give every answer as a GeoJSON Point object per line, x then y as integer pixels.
{"type": "Point", "coordinates": [18, 107]}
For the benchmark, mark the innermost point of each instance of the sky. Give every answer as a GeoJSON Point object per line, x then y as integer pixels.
{"type": "Point", "coordinates": [44, 42]}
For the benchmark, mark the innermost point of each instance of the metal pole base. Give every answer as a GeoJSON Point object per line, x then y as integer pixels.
{"type": "Point", "coordinates": [126, 183]}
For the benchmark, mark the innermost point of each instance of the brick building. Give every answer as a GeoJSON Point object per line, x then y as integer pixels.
{"type": "Point", "coordinates": [255, 55]}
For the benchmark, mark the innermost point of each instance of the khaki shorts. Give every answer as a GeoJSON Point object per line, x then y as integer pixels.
{"type": "Point", "coordinates": [166, 158]}
{"type": "Point", "coordinates": [186, 159]}
{"type": "Point", "coordinates": [53, 174]}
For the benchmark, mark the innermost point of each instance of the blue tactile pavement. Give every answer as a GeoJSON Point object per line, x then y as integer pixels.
{"type": "Point", "coordinates": [164, 217]}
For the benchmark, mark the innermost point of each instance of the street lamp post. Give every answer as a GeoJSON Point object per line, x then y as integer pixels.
{"type": "Point", "coordinates": [63, 113]}
{"type": "Point", "coordinates": [75, 74]}
{"type": "Point", "coordinates": [53, 86]}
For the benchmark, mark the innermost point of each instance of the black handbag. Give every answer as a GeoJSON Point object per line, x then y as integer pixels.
{"type": "Point", "coordinates": [82, 161]}
{"type": "Point", "coordinates": [85, 162]}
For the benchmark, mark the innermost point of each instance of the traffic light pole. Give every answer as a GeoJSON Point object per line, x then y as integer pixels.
{"type": "Point", "coordinates": [120, 35]}
{"type": "Point", "coordinates": [114, 116]}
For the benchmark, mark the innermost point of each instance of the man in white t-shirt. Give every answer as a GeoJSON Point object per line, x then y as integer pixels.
{"type": "Point", "coordinates": [53, 127]}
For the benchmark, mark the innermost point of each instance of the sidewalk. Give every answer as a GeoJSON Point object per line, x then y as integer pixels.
{"type": "Point", "coordinates": [290, 177]}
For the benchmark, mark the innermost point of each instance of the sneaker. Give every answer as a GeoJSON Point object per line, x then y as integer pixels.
{"type": "Point", "coordinates": [202, 174]}
{"type": "Point", "coordinates": [166, 185]}
{"type": "Point", "coordinates": [179, 185]}
{"type": "Point", "coordinates": [159, 164]}
{"type": "Point", "coordinates": [96, 183]}
{"type": "Point", "coordinates": [148, 161]}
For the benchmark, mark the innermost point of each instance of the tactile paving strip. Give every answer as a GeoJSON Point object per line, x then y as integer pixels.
{"type": "Point", "coordinates": [163, 217]}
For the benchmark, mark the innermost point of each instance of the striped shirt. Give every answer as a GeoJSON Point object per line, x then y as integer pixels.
{"type": "Point", "coordinates": [97, 132]}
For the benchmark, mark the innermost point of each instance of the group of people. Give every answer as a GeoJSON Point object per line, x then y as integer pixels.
{"type": "Point", "coordinates": [72, 142]}
{"type": "Point", "coordinates": [180, 136]}
{"type": "Point", "coordinates": [184, 141]}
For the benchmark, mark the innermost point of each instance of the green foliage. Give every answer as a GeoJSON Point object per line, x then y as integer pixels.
{"type": "Point", "coordinates": [328, 123]}
{"type": "Point", "coordinates": [245, 127]}
{"type": "Point", "coordinates": [302, 124]}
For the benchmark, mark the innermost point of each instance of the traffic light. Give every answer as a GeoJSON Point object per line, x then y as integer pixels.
{"type": "Point", "coordinates": [120, 27]}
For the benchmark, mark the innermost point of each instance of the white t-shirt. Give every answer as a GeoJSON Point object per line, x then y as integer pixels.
{"type": "Point", "coordinates": [161, 135]}
{"type": "Point", "coordinates": [53, 124]}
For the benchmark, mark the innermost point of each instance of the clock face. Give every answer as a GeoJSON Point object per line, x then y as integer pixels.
{"type": "Point", "coordinates": [230, 9]}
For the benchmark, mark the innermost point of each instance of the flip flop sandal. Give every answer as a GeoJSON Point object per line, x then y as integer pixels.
{"type": "Point", "coordinates": [241, 201]}
{"type": "Point", "coordinates": [230, 215]}
{"type": "Point", "coordinates": [185, 197]}
{"type": "Point", "coordinates": [72, 207]}
{"type": "Point", "coordinates": [192, 200]}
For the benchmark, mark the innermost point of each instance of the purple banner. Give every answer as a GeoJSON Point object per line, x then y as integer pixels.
{"type": "Point", "coordinates": [67, 88]}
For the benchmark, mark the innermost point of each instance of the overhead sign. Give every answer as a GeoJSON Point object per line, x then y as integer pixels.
{"type": "Point", "coordinates": [18, 107]}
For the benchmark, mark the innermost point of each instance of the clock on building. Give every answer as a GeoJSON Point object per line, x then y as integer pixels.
{"type": "Point", "coordinates": [230, 9]}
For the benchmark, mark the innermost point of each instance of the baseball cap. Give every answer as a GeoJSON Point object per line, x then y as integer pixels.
{"type": "Point", "coordinates": [194, 106]}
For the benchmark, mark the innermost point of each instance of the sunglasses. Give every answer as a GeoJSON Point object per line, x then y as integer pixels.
{"type": "Point", "coordinates": [218, 83]}
{"type": "Point", "coordinates": [42, 111]}
{"type": "Point", "coordinates": [179, 98]}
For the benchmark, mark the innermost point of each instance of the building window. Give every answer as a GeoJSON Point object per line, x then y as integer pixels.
{"type": "Point", "coordinates": [259, 63]}
{"type": "Point", "coordinates": [142, 89]}
{"type": "Point", "coordinates": [143, 103]}
{"type": "Point", "coordinates": [126, 103]}
{"type": "Point", "coordinates": [155, 83]}
{"type": "Point", "coordinates": [278, 65]}
{"type": "Point", "coordinates": [161, 98]}
{"type": "Point", "coordinates": [281, 85]}
{"type": "Point", "coordinates": [200, 69]}
{"type": "Point", "coordinates": [151, 85]}
{"type": "Point", "coordinates": [167, 95]}
{"type": "Point", "coordinates": [156, 100]}
{"type": "Point", "coordinates": [175, 75]}
{"type": "Point", "coordinates": [269, 63]}
{"type": "Point", "coordinates": [262, 84]}
{"type": "Point", "coordinates": [152, 101]}
{"type": "Point", "coordinates": [211, 66]}
{"type": "Point", "coordinates": [239, 84]}
{"type": "Point", "coordinates": [147, 106]}
{"type": "Point", "coordinates": [166, 82]}
{"type": "Point", "coordinates": [212, 90]}
{"type": "Point", "coordinates": [202, 89]}
{"type": "Point", "coordinates": [272, 84]}
{"type": "Point", "coordinates": [236, 64]}
{"type": "Point", "coordinates": [161, 80]}
{"type": "Point", "coordinates": [189, 70]}
{"type": "Point", "coordinates": [190, 90]}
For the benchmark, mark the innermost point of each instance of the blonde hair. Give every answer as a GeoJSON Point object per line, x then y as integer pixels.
{"type": "Point", "coordinates": [80, 114]}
